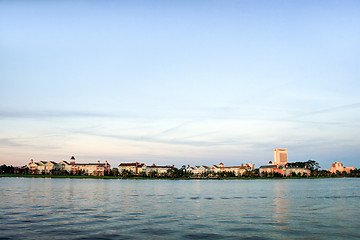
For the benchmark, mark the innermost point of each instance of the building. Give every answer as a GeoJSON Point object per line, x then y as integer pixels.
{"type": "Point", "coordinates": [96, 169]}
{"type": "Point", "coordinates": [270, 169]}
{"type": "Point", "coordinates": [41, 167]}
{"type": "Point", "coordinates": [273, 169]}
{"type": "Point", "coordinates": [135, 168]}
{"type": "Point", "coordinates": [296, 171]}
{"type": "Point", "coordinates": [337, 166]}
{"type": "Point", "coordinates": [51, 167]}
{"type": "Point", "coordinates": [280, 166]}
{"type": "Point", "coordinates": [280, 157]}
{"type": "Point", "coordinates": [198, 170]}
{"type": "Point", "coordinates": [154, 169]}
{"type": "Point", "coordinates": [139, 168]}
{"type": "Point", "coordinates": [237, 170]}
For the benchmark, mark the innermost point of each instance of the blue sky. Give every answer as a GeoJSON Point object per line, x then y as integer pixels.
{"type": "Point", "coordinates": [179, 82]}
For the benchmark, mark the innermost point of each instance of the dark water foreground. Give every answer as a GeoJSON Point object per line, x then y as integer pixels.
{"type": "Point", "coordinates": [163, 209]}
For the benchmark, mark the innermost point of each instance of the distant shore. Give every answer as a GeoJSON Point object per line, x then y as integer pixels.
{"type": "Point", "coordinates": [160, 178]}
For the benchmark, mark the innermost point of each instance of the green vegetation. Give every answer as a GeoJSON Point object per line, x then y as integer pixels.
{"type": "Point", "coordinates": [310, 164]}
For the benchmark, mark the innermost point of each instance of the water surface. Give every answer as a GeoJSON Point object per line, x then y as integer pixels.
{"type": "Point", "coordinates": [37, 208]}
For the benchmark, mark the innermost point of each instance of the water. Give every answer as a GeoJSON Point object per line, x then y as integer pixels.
{"type": "Point", "coordinates": [36, 208]}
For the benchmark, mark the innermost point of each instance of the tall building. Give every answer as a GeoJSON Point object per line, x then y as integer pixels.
{"type": "Point", "coordinates": [280, 156]}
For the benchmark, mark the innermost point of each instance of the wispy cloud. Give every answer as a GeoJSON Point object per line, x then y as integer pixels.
{"type": "Point", "coordinates": [29, 142]}
{"type": "Point", "coordinates": [329, 110]}
{"type": "Point", "coordinates": [151, 139]}
{"type": "Point", "coordinates": [9, 142]}
{"type": "Point", "coordinates": [61, 114]}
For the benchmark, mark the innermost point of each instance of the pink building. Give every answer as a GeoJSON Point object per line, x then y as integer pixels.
{"type": "Point", "coordinates": [280, 166]}
{"type": "Point", "coordinates": [337, 166]}
{"type": "Point", "coordinates": [280, 157]}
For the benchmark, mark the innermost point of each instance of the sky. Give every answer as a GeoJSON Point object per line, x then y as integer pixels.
{"type": "Point", "coordinates": [179, 82]}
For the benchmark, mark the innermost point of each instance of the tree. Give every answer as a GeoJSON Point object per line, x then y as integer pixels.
{"type": "Point", "coordinates": [114, 172]}
{"type": "Point", "coordinates": [6, 169]}
{"type": "Point", "coordinates": [126, 173]}
{"type": "Point", "coordinates": [310, 164]}
{"type": "Point", "coordinates": [152, 173]}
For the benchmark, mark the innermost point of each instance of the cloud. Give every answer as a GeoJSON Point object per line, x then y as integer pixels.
{"type": "Point", "coordinates": [329, 110]}
{"type": "Point", "coordinates": [60, 114]}
{"type": "Point", "coordinates": [28, 143]}
{"type": "Point", "coordinates": [174, 141]}
{"type": "Point", "coordinates": [9, 142]}
{"type": "Point", "coordinates": [173, 129]}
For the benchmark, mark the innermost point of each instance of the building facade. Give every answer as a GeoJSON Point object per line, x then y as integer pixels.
{"type": "Point", "coordinates": [51, 167]}
{"type": "Point", "coordinates": [141, 168]}
{"type": "Point", "coordinates": [280, 156]}
{"type": "Point", "coordinates": [157, 170]}
{"type": "Point", "coordinates": [280, 166]}
{"type": "Point", "coordinates": [337, 166]}
{"type": "Point", "coordinates": [214, 169]}
{"type": "Point", "coordinates": [135, 168]}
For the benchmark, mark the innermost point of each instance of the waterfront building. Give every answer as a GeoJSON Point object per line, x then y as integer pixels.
{"type": "Point", "coordinates": [154, 169]}
{"type": "Point", "coordinates": [138, 168]}
{"type": "Point", "coordinates": [65, 166]}
{"type": "Point", "coordinates": [270, 169]}
{"type": "Point", "coordinates": [33, 167]}
{"type": "Point", "coordinates": [296, 171]}
{"type": "Point", "coordinates": [189, 169]}
{"type": "Point", "coordinates": [237, 170]}
{"type": "Point", "coordinates": [96, 169]}
{"type": "Point", "coordinates": [280, 157]}
{"type": "Point", "coordinates": [198, 170]}
{"type": "Point", "coordinates": [135, 167]}
{"type": "Point", "coordinates": [50, 166]}
{"type": "Point", "coordinates": [42, 167]}
{"type": "Point", "coordinates": [280, 166]}
{"type": "Point", "coordinates": [337, 166]}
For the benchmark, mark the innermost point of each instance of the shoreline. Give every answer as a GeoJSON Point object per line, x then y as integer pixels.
{"type": "Point", "coordinates": [163, 178]}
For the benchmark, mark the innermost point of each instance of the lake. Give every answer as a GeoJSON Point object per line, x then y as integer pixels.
{"type": "Point", "coordinates": [44, 208]}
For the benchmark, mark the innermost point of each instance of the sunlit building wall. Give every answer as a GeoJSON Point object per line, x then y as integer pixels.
{"type": "Point", "coordinates": [280, 156]}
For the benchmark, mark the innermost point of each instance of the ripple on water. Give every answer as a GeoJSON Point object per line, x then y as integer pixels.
{"type": "Point", "coordinates": [195, 198]}
{"type": "Point", "coordinates": [242, 229]}
{"type": "Point", "coordinates": [157, 231]}
{"type": "Point", "coordinates": [180, 210]}
{"type": "Point", "coordinates": [105, 236]}
{"type": "Point", "coordinates": [202, 235]}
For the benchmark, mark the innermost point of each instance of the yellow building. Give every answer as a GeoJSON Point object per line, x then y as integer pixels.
{"type": "Point", "coordinates": [159, 170]}
{"type": "Point", "coordinates": [237, 170]}
{"type": "Point", "coordinates": [42, 167]}
{"type": "Point", "coordinates": [198, 170]}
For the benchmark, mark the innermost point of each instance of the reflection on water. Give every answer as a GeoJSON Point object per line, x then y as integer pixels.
{"type": "Point", "coordinates": [128, 209]}
{"type": "Point", "coordinates": [281, 204]}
